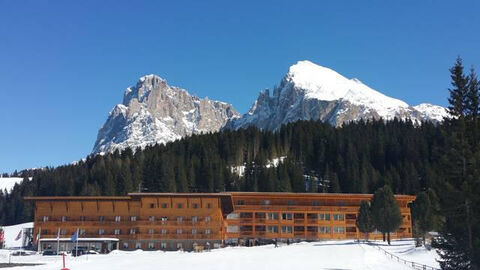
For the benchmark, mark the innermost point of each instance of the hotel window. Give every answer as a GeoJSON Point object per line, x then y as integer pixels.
{"type": "Point", "coordinates": [82, 218]}
{"type": "Point", "coordinates": [195, 205]}
{"type": "Point", "coordinates": [208, 231]}
{"type": "Point", "coordinates": [209, 205]}
{"type": "Point", "coordinates": [194, 231]}
{"type": "Point", "coordinates": [138, 245]}
{"type": "Point", "coordinates": [338, 217]}
{"type": "Point", "coordinates": [323, 229]}
{"type": "Point", "coordinates": [101, 218]}
{"type": "Point", "coordinates": [164, 231]}
{"type": "Point", "coordinates": [151, 245]}
{"type": "Point", "coordinates": [207, 219]}
{"type": "Point", "coordinates": [291, 203]}
{"type": "Point", "coordinates": [272, 216]}
{"type": "Point", "coordinates": [266, 202]}
{"type": "Point", "coordinates": [272, 229]}
{"type": "Point", "coordinates": [152, 205]}
{"type": "Point", "coordinates": [133, 218]}
{"type": "Point", "coordinates": [132, 231]}
{"type": "Point", "coordinates": [164, 205]}
{"type": "Point", "coordinates": [179, 205]}
{"type": "Point", "coordinates": [179, 219]}
{"type": "Point", "coordinates": [101, 231]}
{"type": "Point", "coordinates": [287, 216]}
{"type": "Point", "coordinates": [150, 231]}
{"type": "Point", "coordinates": [194, 219]}
{"type": "Point", "coordinates": [338, 229]}
{"type": "Point", "coordinates": [116, 231]}
{"type": "Point", "coordinates": [324, 216]}
{"type": "Point", "coordinates": [240, 202]}
{"type": "Point", "coordinates": [286, 229]}
{"type": "Point", "coordinates": [316, 203]}
{"type": "Point", "coordinates": [118, 218]}
{"type": "Point", "coordinates": [179, 231]}
{"type": "Point", "coordinates": [45, 218]}
{"type": "Point", "coordinates": [63, 231]}
{"type": "Point", "coordinates": [125, 245]}
{"type": "Point", "coordinates": [179, 245]}
{"type": "Point", "coordinates": [164, 220]}
{"type": "Point", "coordinates": [151, 218]}
{"type": "Point", "coordinates": [163, 245]}
{"type": "Point", "coordinates": [64, 218]}
{"type": "Point", "coordinates": [81, 231]}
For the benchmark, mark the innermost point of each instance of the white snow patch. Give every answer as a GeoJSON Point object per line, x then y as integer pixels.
{"type": "Point", "coordinates": [11, 233]}
{"type": "Point", "coordinates": [7, 183]}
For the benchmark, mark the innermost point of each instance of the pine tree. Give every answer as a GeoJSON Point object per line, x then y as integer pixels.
{"type": "Point", "coordinates": [422, 214]}
{"type": "Point", "coordinates": [386, 212]}
{"type": "Point", "coordinates": [365, 219]}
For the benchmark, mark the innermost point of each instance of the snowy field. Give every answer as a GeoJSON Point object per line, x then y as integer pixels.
{"type": "Point", "coordinates": [314, 255]}
{"type": "Point", "coordinates": [7, 183]}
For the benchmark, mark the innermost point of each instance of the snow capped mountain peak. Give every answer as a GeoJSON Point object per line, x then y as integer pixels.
{"type": "Point", "coordinates": [154, 112]}
{"type": "Point", "coordinates": [311, 91]}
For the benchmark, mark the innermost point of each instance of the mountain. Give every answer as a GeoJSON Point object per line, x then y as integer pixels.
{"type": "Point", "coordinates": [154, 112]}
{"type": "Point", "coordinates": [310, 91]}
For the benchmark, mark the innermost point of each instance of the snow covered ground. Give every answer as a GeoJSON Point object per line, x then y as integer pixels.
{"type": "Point", "coordinates": [7, 183]}
{"type": "Point", "coordinates": [314, 255]}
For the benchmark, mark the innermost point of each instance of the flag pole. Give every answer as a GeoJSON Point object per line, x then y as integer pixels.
{"type": "Point", "coordinates": [38, 238]}
{"type": "Point", "coordinates": [58, 241]}
{"type": "Point", "coordinates": [76, 250]}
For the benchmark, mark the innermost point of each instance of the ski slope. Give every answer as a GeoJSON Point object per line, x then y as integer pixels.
{"type": "Point", "coordinates": [314, 255]}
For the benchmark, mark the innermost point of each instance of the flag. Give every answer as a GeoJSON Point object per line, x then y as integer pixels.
{"type": "Point", "coordinates": [58, 234]}
{"type": "Point", "coordinates": [75, 236]}
{"type": "Point", "coordinates": [2, 236]}
{"type": "Point", "coordinates": [19, 235]}
{"type": "Point", "coordinates": [36, 238]}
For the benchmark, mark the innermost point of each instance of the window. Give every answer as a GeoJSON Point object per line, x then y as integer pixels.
{"type": "Point", "coordinates": [287, 216]}
{"type": "Point", "coordinates": [338, 217]}
{"type": "Point", "coordinates": [82, 218]}
{"type": "Point", "coordinates": [207, 219]}
{"type": "Point", "coordinates": [164, 231]}
{"type": "Point", "coordinates": [194, 231]}
{"type": "Point", "coordinates": [133, 218]}
{"type": "Point", "coordinates": [266, 202]}
{"type": "Point", "coordinates": [118, 218]}
{"type": "Point", "coordinates": [323, 229]}
{"type": "Point", "coordinates": [195, 205]}
{"type": "Point", "coordinates": [164, 205]}
{"type": "Point", "coordinates": [240, 202]}
{"type": "Point", "coordinates": [150, 231]}
{"type": "Point", "coordinates": [179, 231]}
{"type": "Point", "coordinates": [116, 231]}
{"type": "Point", "coordinates": [316, 203]}
{"type": "Point", "coordinates": [286, 229]}
{"type": "Point", "coordinates": [151, 218]}
{"type": "Point", "coordinates": [291, 203]}
{"type": "Point", "coordinates": [152, 205]}
{"type": "Point", "coordinates": [338, 229]}
{"type": "Point", "coordinates": [179, 205]}
{"type": "Point", "coordinates": [101, 231]}
{"type": "Point", "coordinates": [132, 231]}
{"type": "Point", "coordinates": [151, 245]}
{"type": "Point", "coordinates": [101, 218]}
{"type": "Point", "coordinates": [81, 231]}
{"type": "Point", "coordinates": [164, 220]}
{"type": "Point", "coordinates": [125, 245]}
{"type": "Point", "coordinates": [64, 218]}
{"type": "Point", "coordinates": [45, 218]}
{"type": "Point", "coordinates": [194, 219]}
{"type": "Point", "coordinates": [324, 216]}
{"type": "Point", "coordinates": [272, 229]}
{"type": "Point", "coordinates": [272, 216]}
{"type": "Point", "coordinates": [208, 231]}
{"type": "Point", "coordinates": [63, 231]}
{"type": "Point", "coordinates": [179, 246]}
{"type": "Point", "coordinates": [179, 219]}
{"type": "Point", "coordinates": [163, 245]}
{"type": "Point", "coordinates": [209, 205]}
{"type": "Point", "coordinates": [138, 245]}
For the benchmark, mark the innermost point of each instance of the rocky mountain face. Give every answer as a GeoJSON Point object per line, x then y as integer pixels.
{"type": "Point", "coordinates": [154, 112]}
{"type": "Point", "coordinates": [310, 91]}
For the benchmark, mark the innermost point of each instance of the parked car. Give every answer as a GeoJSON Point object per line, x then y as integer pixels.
{"type": "Point", "coordinates": [23, 253]}
{"type": "Point", "coordinates": [92, 252]}
{"type": "Point", "coordinates": [49, 253]}
{"type": "Point", "coordinates": [79, 252]}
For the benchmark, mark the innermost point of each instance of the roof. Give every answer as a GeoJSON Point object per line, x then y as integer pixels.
{"type": "Point", "coordinates": [316, 195]}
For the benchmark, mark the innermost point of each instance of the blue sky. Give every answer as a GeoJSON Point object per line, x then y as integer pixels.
{"type": "Point", "coordinates": [65, 64]}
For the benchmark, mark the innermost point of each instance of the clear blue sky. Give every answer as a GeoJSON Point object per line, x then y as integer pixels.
{"type": "Point", "coordinates": [65, 64]}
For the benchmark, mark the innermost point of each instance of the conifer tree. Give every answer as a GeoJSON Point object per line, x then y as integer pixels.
{"type": "Point", "coordinates": [422, 214]}
{"type": "Point", "coordinates": [364, 221]}
{"type": "Point", "coordinates": [386, 212]}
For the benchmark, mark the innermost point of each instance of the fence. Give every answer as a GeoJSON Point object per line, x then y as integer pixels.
{"type": "Point", "coordinates": [414, 265]}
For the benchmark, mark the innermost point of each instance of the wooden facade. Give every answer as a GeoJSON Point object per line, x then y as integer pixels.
{"type": "Point", "coordinates": [172, 221]}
